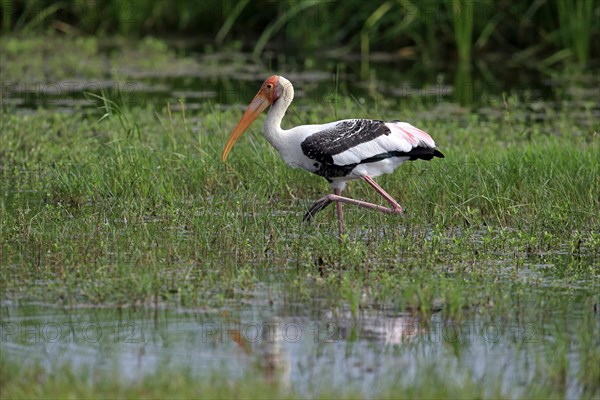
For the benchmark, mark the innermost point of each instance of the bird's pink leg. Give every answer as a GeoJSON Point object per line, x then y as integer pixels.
{"type": "Point", "coordinates": [395, 206]}
{"type": "Point", "coordinates": [325, 201]}
{"type": "Point", "coordinates": [340, 214]}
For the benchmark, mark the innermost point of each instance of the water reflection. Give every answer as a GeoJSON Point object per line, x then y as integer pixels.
{"type": "Point", "coordinates": [306, 353]}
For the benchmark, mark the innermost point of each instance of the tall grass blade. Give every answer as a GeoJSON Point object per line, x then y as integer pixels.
{"type": "Point", "coordinates": [369, 25]}
{"type": "Point", "coordinates": [278, 24]}
{"type": "Point", "coordinates": [576, 18]}
{"type": "Point", "coordinates": [228, 24]}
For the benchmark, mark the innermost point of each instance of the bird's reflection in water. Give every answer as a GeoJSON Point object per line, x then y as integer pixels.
{"type": "Point", "coordinates": [263, 343]}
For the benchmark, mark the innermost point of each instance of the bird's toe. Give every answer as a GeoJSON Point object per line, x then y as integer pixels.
{"type": "Point", "coordinates": [315, 208]}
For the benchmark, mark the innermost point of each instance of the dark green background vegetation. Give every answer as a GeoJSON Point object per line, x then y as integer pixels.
{"type": "Point", "coordinates": [435, 32]}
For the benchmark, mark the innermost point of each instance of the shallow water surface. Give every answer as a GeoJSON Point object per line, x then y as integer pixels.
{"type": "Point", "coordinates": [308, 352]}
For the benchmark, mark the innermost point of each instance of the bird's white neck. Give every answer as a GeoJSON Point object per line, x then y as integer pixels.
{"type": "Point", "coordinates": [272, 131]}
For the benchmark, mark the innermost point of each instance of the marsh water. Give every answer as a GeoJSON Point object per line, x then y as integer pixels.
{"type": "Point", "coordinates": [308, 348]}
{"type": "Point", "coordinates": [315, 348]}
{"type": "Point", "coordinates": [232, 78]}
{"type": "Point", "coordinates": [310, 352]}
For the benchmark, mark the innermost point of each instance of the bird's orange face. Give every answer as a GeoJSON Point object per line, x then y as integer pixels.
{"type": "Point", "coordinates": [266, 96]}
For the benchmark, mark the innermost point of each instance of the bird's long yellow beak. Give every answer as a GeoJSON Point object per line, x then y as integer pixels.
{"type": "Point", "coordinates": [258, 105]}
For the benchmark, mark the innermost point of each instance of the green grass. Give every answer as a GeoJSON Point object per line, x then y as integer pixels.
{"type": "Point", "coordinates": [86, 201]}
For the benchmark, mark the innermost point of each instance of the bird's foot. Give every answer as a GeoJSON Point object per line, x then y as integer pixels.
{"type": "Point", "coordinates": [316, 207]}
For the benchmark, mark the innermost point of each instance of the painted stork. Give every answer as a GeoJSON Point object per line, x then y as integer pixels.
{"type": "Point", "coordinates": [338, 151]}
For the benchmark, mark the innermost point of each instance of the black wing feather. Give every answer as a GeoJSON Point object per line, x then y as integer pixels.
{"type": "Point", "coordinates": [323, 145]}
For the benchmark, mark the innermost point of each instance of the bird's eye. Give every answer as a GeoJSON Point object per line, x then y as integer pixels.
{"type": "Point", "coordinates": [269, 86]}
